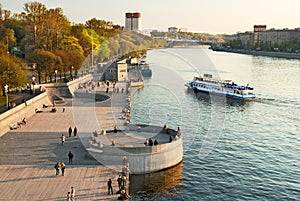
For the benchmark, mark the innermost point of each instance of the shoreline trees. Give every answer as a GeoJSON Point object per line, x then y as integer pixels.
{"type": "Point", "coordinates": [48, 42]}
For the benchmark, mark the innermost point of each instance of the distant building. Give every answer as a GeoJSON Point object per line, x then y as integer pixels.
{"type": "Point", "coordinates": [258, 29]}
{"type": "Point", "coordinates": [116, 71]}
{"type": "Point", "coordinates": [132, 21]}
{"type": "Point", "coordinates": [274, 36]}
{"type": "Point", "coordinates": [261, 35]}
{"type": "Point", "coordinates": [173, 29]}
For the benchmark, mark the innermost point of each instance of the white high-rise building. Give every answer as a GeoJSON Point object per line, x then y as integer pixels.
{"type": "Point", "coordinates": [132, 21]}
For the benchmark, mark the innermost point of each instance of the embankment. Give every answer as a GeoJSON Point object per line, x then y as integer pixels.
{"type": "Point", "coordinates": [16, 114]}
{"type": "Point", "coordinates": [284, 55]}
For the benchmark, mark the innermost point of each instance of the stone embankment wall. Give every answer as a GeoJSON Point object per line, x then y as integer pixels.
{"type": "Point", "coordinates": [141, 159]}
{"type": "Point", "coordinates": [16, 114]}
{"type": "Point", "coordinates": [144, 160]}
{"type": "Point", "coordinates": [65, 90]}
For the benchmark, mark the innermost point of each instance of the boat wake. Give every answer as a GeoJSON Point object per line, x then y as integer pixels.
{"type": "Point", "coordinates": [278, 102]}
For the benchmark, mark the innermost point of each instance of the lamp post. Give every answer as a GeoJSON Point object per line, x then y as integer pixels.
{"type": "Point", "coordinates": [71, 72]}
{"type": "Point", "coordinates": [33, 83]}
{"type": "Point", "coordinates": [6, 94]}
{"type": "Point", "coordinates": [33, 69]}
{"type": "Point", "coordinates": [7, 49]}
{"type": "Point", "coordinates": [55, 75]}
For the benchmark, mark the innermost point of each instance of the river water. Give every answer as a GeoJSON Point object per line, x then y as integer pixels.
{"type": "Point", "coordinates": [232, 150]}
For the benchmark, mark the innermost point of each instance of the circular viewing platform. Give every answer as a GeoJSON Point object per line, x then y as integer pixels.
{"type": "Point", "coordinates": [128, 148]}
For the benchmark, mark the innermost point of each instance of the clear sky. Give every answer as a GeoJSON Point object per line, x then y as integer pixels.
{"type": "Point", "coordinates": [210, 16]}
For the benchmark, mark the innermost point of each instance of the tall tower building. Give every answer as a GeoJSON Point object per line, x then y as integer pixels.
{"type": "Point", "coordinates": [132, 21]}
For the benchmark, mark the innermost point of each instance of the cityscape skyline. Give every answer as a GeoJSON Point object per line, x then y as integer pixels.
{"type": "Point", "coordinates": [214, 16]}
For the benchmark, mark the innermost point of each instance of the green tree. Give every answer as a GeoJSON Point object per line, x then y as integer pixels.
{"type": "Point", "coordinates": [35, 13]}
{"type": "Point", "coordinates": [103, 51]}
{"type": "Point", "coordinates": [103, 28]}
{"type": "Point", "coordinates": [55, 27]}
{"type": "Point", "coordinates": [11, 72]}
{"type": "Point", "coordinates": [69, 59]}
{"type": "Point", "coordinates": [46, 63]}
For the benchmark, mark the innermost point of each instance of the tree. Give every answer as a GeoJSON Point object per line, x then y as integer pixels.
{"type": "Point", "coordinates": [103, 28]}
{"type": "Point", "coordinates": [70, 43]}
{"type": "Point", "coordinates": [56, 26]}
{"type": "Point", "coordinates": [103, 51]}
{"type": "Point", "coordinates": [9, 38]}
{"type": "Point", "coordinates": [35, 13]}
{"type": "Point", "coordinates": [46, 63]}
{"type": "Point", "coordinates": [11, 72]}
{"type": "Point", "coordinates": [69, 59]}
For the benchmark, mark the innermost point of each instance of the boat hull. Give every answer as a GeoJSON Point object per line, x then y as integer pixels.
{"type": "Point", "coordinates": [147, 72]}
{"type": "Point", "coordinates": [223, 93]}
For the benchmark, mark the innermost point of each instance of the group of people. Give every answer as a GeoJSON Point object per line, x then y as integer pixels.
{"type": "Point", "coordinates": [70, 130]}
{"type": "Point", "coordinates": [24, 121]}
{"type": "Point", "coordinates": [71, 194]}
{"type": "Point", "coordinates": [149, 142]}
{"type": "Point", "coordinates": [60, 166]}
{"type": "Point", "coordinates": [121, 180]}
{"type": "Point", "coordinates": [178, 134]}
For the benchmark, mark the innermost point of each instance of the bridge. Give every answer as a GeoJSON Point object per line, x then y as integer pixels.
{"type": "Point", "coordinates": [186, 42]}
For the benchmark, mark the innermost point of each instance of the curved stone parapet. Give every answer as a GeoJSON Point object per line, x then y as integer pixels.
{"type": "Point", "coordinates": [141, 159]}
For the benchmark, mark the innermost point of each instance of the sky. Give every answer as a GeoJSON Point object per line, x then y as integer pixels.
{"type": "Point", "coordinates": [209, 16]}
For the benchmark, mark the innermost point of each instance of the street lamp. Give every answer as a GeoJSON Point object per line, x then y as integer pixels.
{"type": "Point", "coordinates": [33, 69]}
{"type": "Point", "coordinates": [6, 94]}
{"type": "Point", "coordinates": [71, 72]}
{"type": "Point", "coordinates": [33, 83]}
{"type": "Point", "coordinates": [55, 75]}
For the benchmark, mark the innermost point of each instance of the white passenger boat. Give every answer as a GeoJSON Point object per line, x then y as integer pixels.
{"type": "Point", "coordinates": [207, 84]}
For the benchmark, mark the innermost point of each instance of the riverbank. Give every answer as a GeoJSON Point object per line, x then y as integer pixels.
{"type": "Point", "coordinates": [29, 153]}
{"type": "Point", "coordinates": [284, 55]}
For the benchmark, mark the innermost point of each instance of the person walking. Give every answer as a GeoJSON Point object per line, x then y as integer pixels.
{"type": "Point", "coordinates": [109, 187]}
{"type": "Point", "coordinates": [72, 193]}
{"type": "Point", "coordinates": [70, 131]}
{"type": "Point", "coordinates": [69, 196]}
{"type": "Point", "coordinates": [64, 109]}
{"type": "Point", "coordinates": [63, 139]}
{"type": "Point", "coordinates": [124, 180]}
{"type": "Point", "coordinates": [119, 180]}
{"type": "Point", "coordinates": [150, 142]}
{"type": "Point", "coordinates": [70, 155]}
{"type": "Point", "coordinates": [75, 131]}
{"type": "Point", "coordinates": [57, 167]}
{"type": "Point", "coordinates": [63, 167]}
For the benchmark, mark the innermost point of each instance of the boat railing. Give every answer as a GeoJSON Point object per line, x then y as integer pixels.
{"type": "Point", "coordinates": [226, 84]}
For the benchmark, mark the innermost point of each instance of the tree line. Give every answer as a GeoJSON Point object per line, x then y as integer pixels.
{"type": "Point", "coordinates": [48, 43]}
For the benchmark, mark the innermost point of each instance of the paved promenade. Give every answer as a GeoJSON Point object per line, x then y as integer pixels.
{"type": "Point", "coordinates": [28, 156]}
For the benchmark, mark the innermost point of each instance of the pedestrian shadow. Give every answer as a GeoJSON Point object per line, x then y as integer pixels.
{"type": "Point", "coordinates": [26, 179]}
{"type": "Point", "coordinates": [36, 148]}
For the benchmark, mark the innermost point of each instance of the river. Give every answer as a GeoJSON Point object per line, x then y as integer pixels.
{"type": "Point", "coordinates": [232, 150]}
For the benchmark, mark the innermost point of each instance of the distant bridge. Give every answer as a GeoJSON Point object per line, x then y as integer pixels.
{"type": "Point", "coordinates": [186, 42]}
